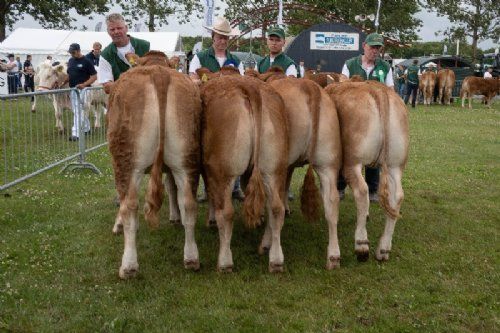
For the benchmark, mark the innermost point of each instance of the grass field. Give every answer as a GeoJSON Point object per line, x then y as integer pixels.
{"type": "Point", "coordinates": [59, 260]}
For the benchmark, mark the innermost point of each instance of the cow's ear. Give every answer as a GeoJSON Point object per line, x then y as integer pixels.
{"type": "Point", "coordinates": [60, 68]}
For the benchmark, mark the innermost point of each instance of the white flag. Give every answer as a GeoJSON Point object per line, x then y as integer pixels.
{"type": "Point", "coordinates": [280, 13]}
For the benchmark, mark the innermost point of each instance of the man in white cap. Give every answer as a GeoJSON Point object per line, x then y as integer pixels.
{"type": "Point", "coordinates": [214, 58]}
{"type": "Point", "coordinates": [217, 55]}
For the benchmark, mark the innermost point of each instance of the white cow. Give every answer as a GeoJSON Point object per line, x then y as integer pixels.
{"type": "Point", "coordinates": [49, 77]}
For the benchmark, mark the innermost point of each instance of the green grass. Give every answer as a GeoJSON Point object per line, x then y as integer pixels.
{"type": "Point", "coordinates": [59, 260]}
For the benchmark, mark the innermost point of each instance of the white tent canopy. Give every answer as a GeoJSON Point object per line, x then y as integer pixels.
{"type": "Point", "coordinates": [43, 42]}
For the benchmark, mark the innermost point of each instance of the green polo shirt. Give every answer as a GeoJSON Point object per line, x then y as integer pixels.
{"type": "Point", "coordinates": [118, 66]}
{"type": "Point", "coordinates": [379, 72]}
{"type": "Point", "coordinates": [208, 60]}
{"type": "Point", "coordinates": [282, 60]}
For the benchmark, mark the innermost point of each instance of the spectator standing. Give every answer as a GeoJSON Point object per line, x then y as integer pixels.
{"type": "Point", "coordinates": [412, 78]}
{"type": "Point", "coordinates": [81, 74]}
{"type": "Point", "coordinates": [29, 76]}
{"type": "Point", "coordinates": [19, 73]}
{"type": "Point", "coordinates": [487, 73]}
{"type": "Point", "coordinates": [95, 54]}
{"type": "Point", "coordinates": [12, 74]}
{"type": "Point", "coordinates": [400, 78]}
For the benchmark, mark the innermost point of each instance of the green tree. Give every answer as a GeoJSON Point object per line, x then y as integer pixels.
{"type": "Point", "coordinates": [396, 17]}
{"type": "Point", "coordinates": [419, 49]}
{"type": "Point", "coordinates": [49, 13]}
{"type": "Point", "coordinates": [477, 19]}
{"type": "Point", "coordinates": [157, 13]}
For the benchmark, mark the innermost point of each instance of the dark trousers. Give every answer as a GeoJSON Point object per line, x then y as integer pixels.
{"type": "Point", "coordinates": [372, 176]}
{"type": "Point", "coordinates": [12, 83]}
{"type": "Point", "coordinates": [29, 86]}
{"type": "Point", "coordinates": [411, 88]}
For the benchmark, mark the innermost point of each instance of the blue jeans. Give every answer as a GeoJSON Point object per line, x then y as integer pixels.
{"type": "Point", "coordinates": [401, 89]}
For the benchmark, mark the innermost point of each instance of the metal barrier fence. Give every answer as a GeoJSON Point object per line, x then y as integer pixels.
{"type": "Point", "coordinates": [30, 141]}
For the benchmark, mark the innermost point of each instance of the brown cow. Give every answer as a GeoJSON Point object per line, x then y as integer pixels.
{"type": "Point", "coordinates": [154, 121]}
{"type": "Point", "coordinates": [323, 78]}
{"type": "Point", "coordinates": [244, 132]}
{"type": "Point", "coordinates": [374, 128]}
{"type": "Point", "coordinates": [472, 85]}
{"type": "Point", "coordinates": [273, 73]}
{"type": "Point", "coordinates": [446, 83]}
{"type": "Point", "coordinates": [314, 138]}
{"type": "Point", "coordinates": [427, 83]}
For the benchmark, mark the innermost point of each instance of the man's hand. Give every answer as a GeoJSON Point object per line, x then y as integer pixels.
{"type": "Point", "coordinates": [81, 85]}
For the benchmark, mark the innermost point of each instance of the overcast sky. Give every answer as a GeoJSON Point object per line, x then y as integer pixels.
{"type": "Point", "coordinates": [431, 24]}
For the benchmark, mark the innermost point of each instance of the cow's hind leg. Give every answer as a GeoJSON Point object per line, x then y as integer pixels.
{"type": "Point", "coordinates": [330, 195]}
{"type": "Point", "coordinates": [188, 210]}
{"type": "Point", "coordinates": [275, 191]}
{"type": "Point", "coordinates": [395, 199]}
{"type": "Point", "coordinates": [174, 212]}
{"type": "Point", "coordinates": [220, 196]}
{"type": "Point", "coordinates": [360, 191]}
{"type": "Point", "coordinates": [127, 215]}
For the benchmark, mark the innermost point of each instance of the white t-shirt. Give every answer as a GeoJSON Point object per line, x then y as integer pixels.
{"type": "Point", "coordinates": [195, 64]}
{"type": "Point", "coordinates": [290, 71]}
{"type": "Point", "coordinates": [389, 80]}
{"type": "Point", "coordinates": [15, 68]}
{"type": "Point", "coordinates": [487, 75]}
{"type": "Point", "coordinates": [105, 71]}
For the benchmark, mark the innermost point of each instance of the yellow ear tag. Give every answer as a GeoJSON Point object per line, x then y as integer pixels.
{"type": "Point", "coordinates": [204, 78]}
{"type": "Point", "coordinates": [132, 61]}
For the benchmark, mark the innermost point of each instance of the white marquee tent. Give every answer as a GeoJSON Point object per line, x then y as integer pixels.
{"type": "Point", "coordinates": [43, 42]}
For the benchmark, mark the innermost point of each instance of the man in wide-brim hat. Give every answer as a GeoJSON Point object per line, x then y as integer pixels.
{"type": "Point", "coordinates": [217, 55]}
{"type": "Point", "coordinates": [214, 58]}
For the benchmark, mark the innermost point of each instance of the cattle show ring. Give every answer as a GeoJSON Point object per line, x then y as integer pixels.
{"type": "Point", "coordinates": [277, 166]}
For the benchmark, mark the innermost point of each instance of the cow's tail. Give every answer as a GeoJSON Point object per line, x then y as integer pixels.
{"type": "Point", "coordinates": [254, 193]}
{"type": "Point", "coordinates": [383, 189]}
{"type": "Point", "coordinates": [154, 195]}
{"type": "Point", "coordinates": [310, 198]}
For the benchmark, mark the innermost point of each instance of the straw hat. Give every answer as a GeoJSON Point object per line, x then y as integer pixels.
{"type": "Point", "coordinates": [221, 26]}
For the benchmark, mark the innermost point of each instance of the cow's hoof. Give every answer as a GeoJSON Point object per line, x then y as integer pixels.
{"type": "Point", "coordinates": [225, 269]}
{"type": "Point", "coordinates": [333, 262]}
{"type": "Point", "coordinates": [193, 265]}
{"type": "Point", "coordinates": [263, 250]}
{"type": "Point", "coordinates": [288, 213]}
{"type": "Point", "coordinates": [362, 255]}
{"type": "Point", "coordinates": [275, 267]}
{"type": "Point", "coordinates": [33, 110]}
{"type": "Point", "coordinates": [382, 255]}
{"type": "Point", "coordinates": [176, 222]}
{"type": "Point", "coordinates": [128, 272]}
{"type": "Point", "coordinates": [118, 229]}
{"type": "Point", "coordinates": [212, 224]}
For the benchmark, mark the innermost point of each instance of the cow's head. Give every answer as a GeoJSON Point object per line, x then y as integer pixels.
{"type": "Point", "coordinates": [205, 74]}
{"type": "Point", "coordinates": [50, 76]}
{"type": "Point", "coordinates": [273, 73]}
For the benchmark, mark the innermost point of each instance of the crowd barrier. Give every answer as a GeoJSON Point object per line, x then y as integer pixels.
{"type": "Point", "coordinates": [31, 143]}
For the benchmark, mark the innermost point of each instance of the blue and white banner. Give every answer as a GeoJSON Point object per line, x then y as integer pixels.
{"type": "Point", "coordinates": [209, 12]}
{"type": "Point", "coordinates": [341, 41]}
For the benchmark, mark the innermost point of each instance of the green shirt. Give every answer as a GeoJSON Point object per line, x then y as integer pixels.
{"type": "Point", "coordinates": [282, 60]}
{"type": "Point", "coordinates": [110, 53]}
{"type": "Point", "coordinates": [379, 72]}
{"type": "Point", "coordinates": [208, 60]}
{"type": "Point", "coordinates": [412, 74]}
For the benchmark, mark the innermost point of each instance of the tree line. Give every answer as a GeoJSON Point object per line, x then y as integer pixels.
{"type": "Point", "coordinates": [475, 19]}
